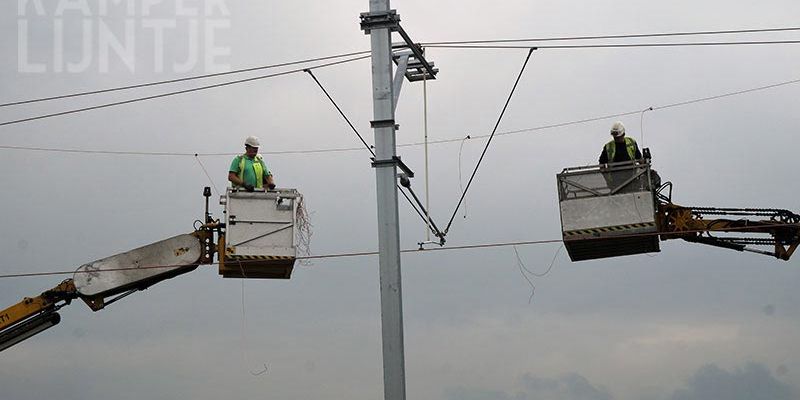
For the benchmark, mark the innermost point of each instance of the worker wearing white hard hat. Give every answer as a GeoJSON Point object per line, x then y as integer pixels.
{"type": "Point", "coordinates": [248, 170]}
{"type": "Point", "coordinates": [621, 148]}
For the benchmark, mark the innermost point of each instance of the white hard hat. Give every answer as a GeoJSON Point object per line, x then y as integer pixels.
{"type": "Point", "coordinates": [617, 129]}
{"type": "Point", "coordinates": [252, 141]}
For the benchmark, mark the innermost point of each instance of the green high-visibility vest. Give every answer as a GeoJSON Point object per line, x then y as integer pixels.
{"type": "Point", "coordinates": [630, 146]}
{"type": "Point", "coordinates": [258, 168]}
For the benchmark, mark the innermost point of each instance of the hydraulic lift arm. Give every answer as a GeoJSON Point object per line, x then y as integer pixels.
{"type": "Point", "coordinates": [105, 281]}
{"type": "Point", "coordinates": [261, 226]}
{"type": "Point", "coordinates": [775, 228]}
{"type": "Point", "coordinates": [33, 315]}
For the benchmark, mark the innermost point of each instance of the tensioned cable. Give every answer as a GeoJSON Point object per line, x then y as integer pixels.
{"type": "Point", "coordinates": [368, 147]}
{"type": "Point", "coordinates": [415, 250]}
{"type": "Point", "coordinates": [440, 141]}
{"type": "Point", "coordinates": [200, 163]}
{"type": "Point", "coordinates": [181, 91]}
{"type": "Point", "coordinates": [189, 78]}
{"type": "Point", "coordinates": [488, 142]}
{"type": "Point", "coordinates": [620, 45]}
{"type": "Point", "coordinates": [285, 64]}
{"type": "Point", "coordinates": [619, 36]}
{"type": "Point", "coordinates": [339, 109]}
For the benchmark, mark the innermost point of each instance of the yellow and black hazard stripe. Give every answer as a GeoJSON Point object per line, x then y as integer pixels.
{"type": "Point", "coordinates": [270, 258]}
{"type": "Point", "coordinates": [610, 229]}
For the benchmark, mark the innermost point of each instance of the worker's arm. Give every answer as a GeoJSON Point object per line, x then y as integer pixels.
{"type": "Point", "coordinates": [603, 157]}
{"type": "Point", "coordinates": [269, 181]}
{"type": "Point", "coordinates": [233, 173]}
{"type": "Point", "coordinates": [234, 178]}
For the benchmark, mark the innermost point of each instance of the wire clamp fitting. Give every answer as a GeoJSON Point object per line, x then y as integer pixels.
{"type": "Point", "coordinates": [379, 20]}
{"type": "Point", "coordinates": [395, 161]}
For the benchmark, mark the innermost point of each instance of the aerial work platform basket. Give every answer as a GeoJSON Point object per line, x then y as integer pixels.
{"type": "Point", "coordinates": [260, 233]}
{"type": "Point", "coordinates": [608, 210]}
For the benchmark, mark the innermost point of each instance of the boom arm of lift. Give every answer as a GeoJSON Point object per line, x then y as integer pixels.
{"type": "Point", "coordinates": [105, 281]}
{"type": "Point", "coordinates": [775, 228]}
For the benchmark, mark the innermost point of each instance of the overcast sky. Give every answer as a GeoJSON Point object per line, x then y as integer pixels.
{"type": "Point", "coordinates": [692, 322]}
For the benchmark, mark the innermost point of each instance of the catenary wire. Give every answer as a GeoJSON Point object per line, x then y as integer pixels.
{"type": "Point", "coordinates": [189, 78]}
{"type": "Point", "coordinates": [619, 36]}
{"type": "Point", "coordinates": [488, 142]}
{"type": "Point", "coordinates": [290, 63]}
{"type": "Point", "coordinates": [440, 141]}
{"type": "Point", "coordinates": [78, 110]}
{"type": "Point", "coordinates": [619, 45]}
{"type": "Point", "coordinates": [415, 250]}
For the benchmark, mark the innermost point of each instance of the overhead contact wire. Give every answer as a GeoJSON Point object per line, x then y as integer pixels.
{"type": "Point", "coordinates": [440, 141]}
{"type": "Point", "coordinates": [179, 92]}
{"type": "Point", "coordinates": [290, 63]}
{"type": "Point", "coordinates": [190, 78]}
{"type": "Point", "coordinates": [620, 45]}
{"type": "Point", "coordinates": [488, 142]}
{"type": "Point", "coordinates": [416, 250]}
{"type": "Point", "coordinates": [620, 36]}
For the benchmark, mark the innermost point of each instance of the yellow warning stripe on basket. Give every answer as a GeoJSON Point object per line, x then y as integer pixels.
{"type": "Point", "coordinates": [260, 258]}
{"type": "Point", "coordinates": [608, 229]}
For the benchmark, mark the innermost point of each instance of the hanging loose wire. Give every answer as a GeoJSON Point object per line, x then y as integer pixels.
{"type": "Point", "coordinates": [488, 142]}
{"type": "Point", "coordinates": [460, 181]}
{"type": "Point", "coordinates": [523, 269]}
{"type": "Point", "coordinates": [641, 125]}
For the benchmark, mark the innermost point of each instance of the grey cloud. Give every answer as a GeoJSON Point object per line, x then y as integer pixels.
{"type": "Point", "coordinates": [752, 382]}
{"type": "Point", "coordinates": [571, 386]}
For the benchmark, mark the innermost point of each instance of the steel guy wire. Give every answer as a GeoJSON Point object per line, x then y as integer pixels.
{"type": "Point", "coordinates": [189, 78]}
{"type": "Point", "coordinates": [427, 220]}
{"type": "Point", "coordinates": [440, 141]}
{"type": "Point", "coordinates": [619, 36]}
{"type": "Point", "coordinates": [414, 250]}
{"type": "Point", "coordinates": [339, 109]}
{"type": "Point", "coordinates": [228, 83]}
{"type": "Point", "coordinates": [488, 142]}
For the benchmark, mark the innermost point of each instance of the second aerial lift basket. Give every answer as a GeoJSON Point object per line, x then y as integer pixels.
{"type": "Point", "coordinates": [608, 210]}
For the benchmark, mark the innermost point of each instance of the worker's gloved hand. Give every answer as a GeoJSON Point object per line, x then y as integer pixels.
{"type": "Point", "coordinates": [271, 186]}
{"type": "Point", "coordinates": [249, 188]}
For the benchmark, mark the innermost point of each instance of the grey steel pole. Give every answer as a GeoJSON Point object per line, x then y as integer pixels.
{"type": "Point", "coordinates": [394, 376]}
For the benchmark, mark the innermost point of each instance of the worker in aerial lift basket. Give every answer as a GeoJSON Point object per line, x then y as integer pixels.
{"type": "Point", "coordinates": [621, 148]}
{"type": "Point", "coordinates": [248, 170]}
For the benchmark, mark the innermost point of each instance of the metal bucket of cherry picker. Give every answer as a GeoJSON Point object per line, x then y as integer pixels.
{"type": "Point", "coordinates": [260, 233]}
{"type": "Point", "coordinates": [608, 210]}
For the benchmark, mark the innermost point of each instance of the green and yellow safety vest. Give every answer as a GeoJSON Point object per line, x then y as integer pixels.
{"type": "Point", "coordinates": [630, 146]}
{"type": "Point", "coordinates": [258, 168]}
